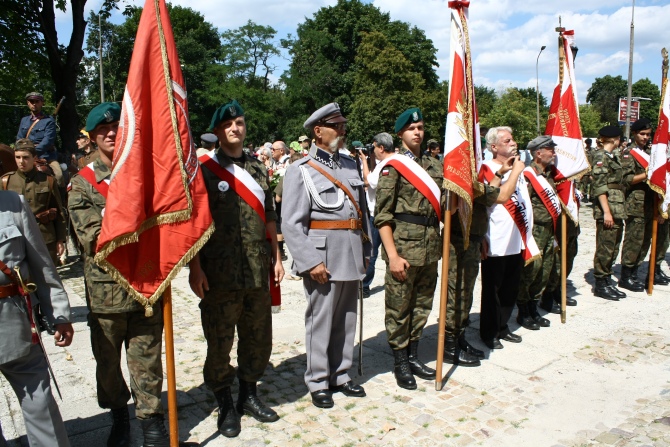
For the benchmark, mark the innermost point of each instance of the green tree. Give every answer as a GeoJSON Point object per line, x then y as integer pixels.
{"type": "Point", "coordinates": [486, 98]}
{"type": "Point", "coordinates": [589, 119]}
{"type": "Point", "coordinates": [517, 111]}
{"type": "Point", "coordinates": [644, 88]}
{"type": "Point", "coordinates": [604, 95]}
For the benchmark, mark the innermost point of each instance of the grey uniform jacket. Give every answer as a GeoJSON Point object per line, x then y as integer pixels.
{"type": "Point", "coordinates": [342, 251]}
{"type": "Point", "coordinates": [21, 244]}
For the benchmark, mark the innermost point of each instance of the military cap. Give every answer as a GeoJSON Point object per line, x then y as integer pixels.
{"type": "Point", "coordinates": [107, 112]}
{"type": "Point", "coordinates": [641, 124]}
{"type": "Point", "coordinates": [34, 95]}
{"type": "Point", "coordinates": [328, 114]}
{"type": "Point", "coordinates": [295, 146]}
{"type": "Point", "coordinates": [25, 144]}
{"type": "Point", "coordinates": [303, 138]}
{"type": "Point", "coordinates": [408, 117]}
{"type": "Point", "coordinates": [588, 141]}
{"type": "Point", "coordinates": [209, 138]}
{"type": "Point", "coordinates": [357, 144]}
{"type": "Point", "coordinates": [610, 132]}
{"type": "Point", "coordinates": [540, 142]}
{"type": "Point", "coordinates": [82, 134]}
{"type": "Point", "coordinates": [228, 111]}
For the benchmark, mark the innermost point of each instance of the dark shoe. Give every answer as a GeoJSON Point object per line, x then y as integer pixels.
{"type": "Point", "coordinates": [524, 319]}
{"type": "Point", "coordinates": [550, 305]}
{"type": "Point", "coordinates": [627, 282]}
{"type": "Point", "coordinates": [467, 347]}
{"type": "Point", "coordinates": [249, 403]}
{"type": "Point", "coordinates": [570, 301]}
{"type": "Point", "coordinates": [228, 421]}
{"type": "Point", "coordinates": [657, 270]}
{"type": "Point", "coordinates": [466, 323]}
{"type": "Point", "coordinates": [366, 292]}
{"type": "Point", "coordinates": [512, 338]}
{"type": "Point", "coordinates": [539, 319]}
{"type": "Point", "coordinates": [493, 344]}
{"type": "Point", "coordinates": [282, 253]}
{"type": "Point", "coordinates": [120, 434]}
{"type": "Point", "coordinates": [660, 278]}
{"type": "Point", "coordinates": [348, 389]}
{"type": "Point", "coordinates": [614, 289]}
{"type": "Point", "coordinates": [401, 370]}
{"type": "Point", "coordinates": [634, 278]}
{"type": "Point", "coordinates": [155, 434]}
{"type": "Point", "coordinates": [604, 290]}
{"type": "Point", "coordinates": [415, 365]}
{"type": "Point", "coordinates": [323, 399]}
{"type": "Point", "coordinates": [455, 355]}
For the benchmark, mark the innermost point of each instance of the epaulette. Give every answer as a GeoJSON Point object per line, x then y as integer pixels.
{"type": "Point", "coordinates": [5, 179]}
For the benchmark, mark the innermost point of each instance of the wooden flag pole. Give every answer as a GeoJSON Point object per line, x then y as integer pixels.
{"type": "Point", "coordinates": [444, 289]}
{"type": "Point", "coordinates": [652, 253]}
{"type": "Point", "coordinates": [564, 263]}
{"type": "Point", "coordinates": [170, 368]}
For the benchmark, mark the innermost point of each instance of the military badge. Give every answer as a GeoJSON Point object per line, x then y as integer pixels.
{"type": "Point", "coordinates": [415, 117]}
{"type": "Point", "coordinates": [223, 186]}
{"type": "Point", "coordinates": [232, 111]}
{"type": "Point", "coordinates": [108, 117]}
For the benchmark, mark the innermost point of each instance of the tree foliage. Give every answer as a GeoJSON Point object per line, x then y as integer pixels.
{"type": "Point", "coordinates": [515, 109]}
{"type": "Point", "coordinates": [644, 88]}
{"type": "Point", "coordinates": [604, 95]}
{"type": "Point", "coordinates": [589, 119]}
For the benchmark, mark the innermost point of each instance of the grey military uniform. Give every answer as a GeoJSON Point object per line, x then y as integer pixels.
{"type": "Point", "coordinates": [330, 318]}
{"type": "Point", "coordinates": [21, 362]}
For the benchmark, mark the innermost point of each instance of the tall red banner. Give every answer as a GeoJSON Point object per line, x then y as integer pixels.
{"type": "Point", "coordinates": [658, 164]}
{"type": "Point", "coordinates": [157, 214]}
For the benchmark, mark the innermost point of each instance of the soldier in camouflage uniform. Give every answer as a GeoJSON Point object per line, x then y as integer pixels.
{"type": "Point", "coordinates": [410, 233]}
{"type": "Point", "coordinates": [535, 276]}
{"type": "Point", "coordinates": [115, 318]}
{"type": "Point", "coordinates": [610, 179]}
{"type": "Point", "coordinates": [662, 244]}
{"type": "Point", "coordinates": [639, 207]}
{"type": "Point", "coordinates": [41, 193]}
{"type": "Point", "coordinates": [231, 272]}
{"type": "Point", "coordinates": [464, 266]}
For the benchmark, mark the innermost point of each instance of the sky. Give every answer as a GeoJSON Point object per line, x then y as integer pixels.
{"type": "Point", "coordinates": [505, 35]}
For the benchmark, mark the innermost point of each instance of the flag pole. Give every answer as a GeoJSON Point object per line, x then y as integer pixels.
{"type": "Point", "coordinates": [444, 289]}
{"type": "Point", "coordinates": [652, 254]}
{"type": "Point", "coordinates": [564, 263]}
{"type": "Point", "coordinates": [170, 368]}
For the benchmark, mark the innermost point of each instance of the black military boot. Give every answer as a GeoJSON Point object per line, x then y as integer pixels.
{"type": "Point", "coordinates": [659, 279]}
{"type": "Point", "coordinates": [549, 302]}
{"type": "Point", "coordinates": [568, 300]}
{"type": "Point", "coordinates": [524, 319]}
{"type": "Point", "coordinates": [467, 347]}
{"type": "Point", "coordinates": [402, 371]}
{"type": "Point", "coordinates": [614, 289]}
{"type": "Point", "coordinates": [155, 434]}
{"type": "Point", "coordinates": [228, 421]}
{"type": "Point", "coordinates": [415, 365]}
{"type": "Point", "coordinates": [120, 434]}
{"type": "Point", "coordinates": [455, 355]}
{"type": "Point", "coordinates": [635, 279]}
{"type": "Point", "coordinates": [534, 314]}
{"type": "Point", "coordinates": [627, 282]}
{"type": "Point", "coordinates": [604, 290]}
{"type": "Point", "coordinates": [657, 270]}
{"type": "Point", "coordinates": [249, 403]}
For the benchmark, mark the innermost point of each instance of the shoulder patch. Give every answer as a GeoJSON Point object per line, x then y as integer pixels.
{"type": "Point", "coordinates": [385, 172]}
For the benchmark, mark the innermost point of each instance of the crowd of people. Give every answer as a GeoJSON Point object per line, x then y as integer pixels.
{"type": "Point", "coordinates": [334, 208]}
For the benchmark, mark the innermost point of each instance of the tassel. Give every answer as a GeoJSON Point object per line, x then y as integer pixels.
{"type": "Point", "coordinates": [148, 311]}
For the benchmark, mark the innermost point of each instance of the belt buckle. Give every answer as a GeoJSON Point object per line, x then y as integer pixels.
{"type": "Point", "coordinates": [353, 224]}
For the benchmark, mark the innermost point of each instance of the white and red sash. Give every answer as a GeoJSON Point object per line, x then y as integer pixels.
{"type": "Point", "coordinates": [416, 175]}
{"type": "Point", "coordinates": [245, 186]}
{"type": "Point", "coordinates": [88, 174]}
{"type": "Point", "coordinates": [641, 156]}
{"type": "Point", "coordinates": [520, 212]}
{"type": "Point", "coordinates": [546, 193]}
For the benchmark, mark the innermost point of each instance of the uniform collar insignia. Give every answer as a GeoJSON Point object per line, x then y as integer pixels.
{"type": "Point", "coordinates": [406, 152]}
{"type": "Point", "coordinates": [326, 158]}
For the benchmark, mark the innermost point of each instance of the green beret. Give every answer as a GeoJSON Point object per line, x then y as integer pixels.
{"type": "Point", "coordinates": [408, 117]}
{"type": "Point", "coordinates": [357, 144]}
{"type": "Point", "coordinates": [107, 112]}
{"type": "Point", "coordinates": [226, 112]}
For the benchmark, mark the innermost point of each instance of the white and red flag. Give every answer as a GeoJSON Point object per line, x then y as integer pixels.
{"type": "Point", "coordinates": [563, 125]}
{"type": "Point", "coordinates": [658, 163]}
{"type": "Point", "coordinates": [462, 144]}
{"type": "Point", "coordinates": [157, 214]}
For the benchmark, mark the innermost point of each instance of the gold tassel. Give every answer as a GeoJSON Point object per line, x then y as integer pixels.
{"type": "Point", "coordinates": [149, 311]}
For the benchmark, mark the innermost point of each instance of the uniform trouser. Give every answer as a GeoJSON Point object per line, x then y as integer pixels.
{"type": "Point", "coordinates": [221, 312]}
{"type": "Point", "coordinates": [535, 276]}
{"type": "Point", "coordinates": [408, 304]}
{"type": "Point", "coordinates": [636, 241]}
{"type": "Point", "coordinates": [662, 241]}
{"type": "Point", "coordinates": [571, 245]}
{"type": "Point", "coordinates": [29, 377]}
{"type": "Point", "coordinates": [143, 338]}
{"type": "Point", "coordinates": [607, 248]}
{"type": "Point", "coordinates": [463, 271]}
{"type": "Point", "coordinates": [376, 242]}
{"type": "Point", "coordinates": [52, 248]}
{"type": "Point", "coordinates": [500, 287]}
{"type": "Point", "coordinates": [330, 330]}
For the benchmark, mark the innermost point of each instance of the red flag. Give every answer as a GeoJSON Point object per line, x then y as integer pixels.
{"type": "Point", "coordinates": [563, 123]}
{"type": "Point", "coordinates": [462, 144]}
{"type": "Point", "coordinates": [157, 214]}
{"type": "Point", "coordinates": [658, 162]}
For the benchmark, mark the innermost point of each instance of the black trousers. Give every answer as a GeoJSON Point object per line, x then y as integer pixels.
{"type": "Point", "coordinates": [500, 287]}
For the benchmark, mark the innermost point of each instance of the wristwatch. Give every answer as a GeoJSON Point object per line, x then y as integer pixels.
{"type": "Point", "coordinates": [499, 175]}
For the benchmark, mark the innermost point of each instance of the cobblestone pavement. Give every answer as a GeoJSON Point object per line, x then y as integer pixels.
{"type": "Point", "coordinates": [600, 379]}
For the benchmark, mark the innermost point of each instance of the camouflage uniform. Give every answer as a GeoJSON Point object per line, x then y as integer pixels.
{"type": "Point", "coordinates": [464, 264]}
{"type": "Point", "coordinates": [408, 303]}
{"type": "Point", "coordinates": [534, 276]}
{"type": "Point", "coordinates": [610, 177]}
{"type": "Point", "coordinates": [236, 260]}
{"type": "Point", "coordinates": [640, 212]}
{"type": "Point", "coordinates": [572, 232]}
{"type": "Point", "coordinates": [662, 242]}
{"type": "Point", "coordinates": [41, 193]}
{"type": "Point", "coordinates": [115, 318]}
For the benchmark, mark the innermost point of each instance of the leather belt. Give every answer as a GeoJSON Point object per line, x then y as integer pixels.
{"type": "Point", "coordinates": [349, 224]}
{"type": "Point", "coordinates": [418, 220]}
{"type": "Point", "coordinates": [616, 186]}
{"type": "Point", "coordinates": [9, 290]}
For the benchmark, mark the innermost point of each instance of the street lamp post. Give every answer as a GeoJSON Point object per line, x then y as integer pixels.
{"type": "Point", "coordinates": [630, 71]}
{"type": "Point", "coordinates": [537, 86]}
